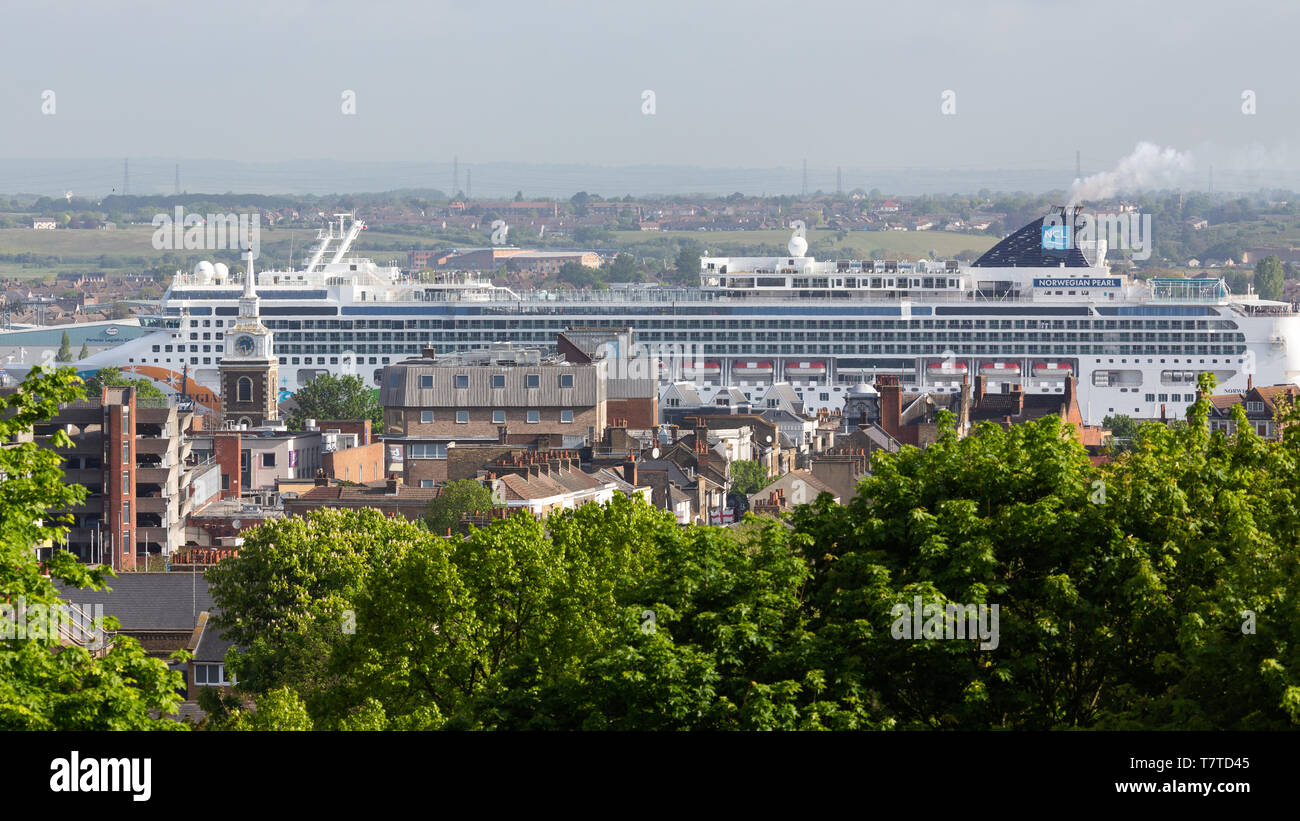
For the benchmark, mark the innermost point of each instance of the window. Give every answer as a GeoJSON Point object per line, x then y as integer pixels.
{"type": "Point", "coordinates": [462, 417]}
{"type": "Point", "coordinates": [429, 451]}
{"type": "Point", "coordinates": [498, 380]}
{"type": "Point", "coordinates": [126, 511]}
{"type": "Point", "coordinates": [211, 675]}
{"type": "Point", "coordinates": [268, 460]}
{"type": "Point", "coordinates": [244, 390]}
{"type": "Point", "coordinates": [498, 417]}
{"type": "Point", "coordinates": [225, 481]}
{"type": "Point", "coordinates": [534, 417]}
{"type": "Point", "coordinates": [566, 416]}
{"type": "Point", "coordinates": [426, 416]}
{"type": "Point", "coordinates": [394, 379]}
{"type": "Point", "coordinates": [1254, 407]}
{"type": "Point", "coordinates": [426, 483]}
{"type": "Point", "coordinates": [462, 380]}
{"type": "Point", "coordinates": [426, 380]}
{"type": "Point", "coordinates": [1151, 397]}
{"type": "Point", "coordinates": [533, 380]}
{"type": "Point", "coordinates": [566, 380]}
{"type": "Point", "coordinates": [126, 483]}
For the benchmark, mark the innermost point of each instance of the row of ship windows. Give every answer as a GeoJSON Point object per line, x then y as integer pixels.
{"type": "Point", "coordinates": [759, 324]}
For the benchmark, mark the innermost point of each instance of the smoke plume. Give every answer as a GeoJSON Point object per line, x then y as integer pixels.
{"type": "Point", "coordinates": [1149, 166]}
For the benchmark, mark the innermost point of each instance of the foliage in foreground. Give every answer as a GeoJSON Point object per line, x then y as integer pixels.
{"type": "Point", "coordinates": [1123, 591]}
{"type": "Point", "coordinates": [45, 686]}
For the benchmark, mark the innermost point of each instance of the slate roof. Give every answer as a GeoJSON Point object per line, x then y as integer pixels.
{"type": "Point", "coordinates": [148, 601]}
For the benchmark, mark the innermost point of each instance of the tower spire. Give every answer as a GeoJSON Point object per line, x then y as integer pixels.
{"type": "Point", "coordinates": [248, 277]}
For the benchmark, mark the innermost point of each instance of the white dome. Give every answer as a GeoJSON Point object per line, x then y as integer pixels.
{"type": "Point", "coordinates": [862, 389]}
{"type": "Point", "coordinates": [222, 271]}
{"type": "Point", "coordinates": [203, 272]}
{"type": "Point", "coordinates": [798, 246]}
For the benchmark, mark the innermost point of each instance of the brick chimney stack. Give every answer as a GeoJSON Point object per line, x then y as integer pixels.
{"type": "Point", "coordinates": [629, 469]}
{"type": "Point", "coordinates": [394, 483]}
{"type": "Point", "coordinates": [891, 403]}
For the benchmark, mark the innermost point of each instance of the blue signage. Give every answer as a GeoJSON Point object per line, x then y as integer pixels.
{"type": "Point", "coordinates": [1056, 237]}
{"type": "Point", "coordinates": [1078, 282]}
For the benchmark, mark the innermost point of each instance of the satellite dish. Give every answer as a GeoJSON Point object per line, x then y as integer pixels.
{"type": "Point", "coordinates": [798, 246]}
{"type": "Point", "coordinates": [654, 453]}
{"type": "Point", "coordinates": [769, 438]}
{"type": "Point", "coordinates": [236, 524]}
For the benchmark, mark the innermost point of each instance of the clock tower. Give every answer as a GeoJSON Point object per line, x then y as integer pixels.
{"type": "Point", "coordinates": [249, 394]}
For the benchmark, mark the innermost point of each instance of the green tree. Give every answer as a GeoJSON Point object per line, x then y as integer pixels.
{"type": "Point", "coordinates": [1269, 277]}
{"type": "Point", "coordinates": [335, 397]}
{"type": "Point", "coordinates": [85, 352]}
{"type": "Point", "coordinates": [45, 685]}
{"type": "Point", "coordinates": [687, 264]}
{"type": "Point", "coordinates": [114, 378]}
{"type": "Point", "coordinates": [748, 476]}
{"type": "Point", "coordinates": [462, 497]}
{"type": "Point", "coordinates": [580, 276]}
{"type": "Point", "coordinates": [65, 349]}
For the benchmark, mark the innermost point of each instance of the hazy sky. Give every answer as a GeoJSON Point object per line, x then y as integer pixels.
{"type": "Point", "coordinates": [745, 84]}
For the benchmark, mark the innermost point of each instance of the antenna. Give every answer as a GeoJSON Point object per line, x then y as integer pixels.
{"type": "Point", "coordinates": [455, 175]}
{"type": "Point", "coordinates": [839, 181]}
{"type": "Point", "coordinates": [178, 179]}
{"type": "Point", "coordinates": [126, 176]}
{"type": "Point", "coordinates": [468, 186]}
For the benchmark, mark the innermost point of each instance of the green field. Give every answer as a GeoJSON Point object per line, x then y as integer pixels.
{"type": "Point", "coordinates": [855, 243]}
{"type": "Point", "coordinates": [132, 247]}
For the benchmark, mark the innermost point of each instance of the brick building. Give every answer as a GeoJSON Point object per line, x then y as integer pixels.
{"type": "Point", "coordinates": [493, 398]}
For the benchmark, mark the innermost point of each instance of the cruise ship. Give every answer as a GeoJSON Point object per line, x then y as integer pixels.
{"type": "Point", "coordinates": [1022, 314]}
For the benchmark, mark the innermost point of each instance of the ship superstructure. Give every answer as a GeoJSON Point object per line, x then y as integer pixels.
{"type": "Point", "coordinates": [1020, 314]}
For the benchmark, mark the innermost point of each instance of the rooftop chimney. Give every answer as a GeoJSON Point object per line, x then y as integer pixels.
{"type": "Point", "coordinates": [629, 469]}
{"type": "Point", "coordinates": [394, 482]}
{"type": "Point", "coordinates": [891, 403]}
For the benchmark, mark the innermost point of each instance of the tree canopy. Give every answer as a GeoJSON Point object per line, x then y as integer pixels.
{"type": "Point", "coordinates": [1269, 277]}
{"type": "Point", "coordinates": [335, 397]}
{"type": "Point", "coordinates": [455, 499]}
{"type": "Point", "coordinates": [114, 378]}
{"type": "Point", "coordinates": [45, 685]}
{"type": "Point", "coordinates": [1157, 591]}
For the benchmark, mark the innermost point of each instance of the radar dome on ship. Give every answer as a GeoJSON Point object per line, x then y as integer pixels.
{"type": "Point", "coordinates": [204, 271]}
{"type": "Point", "coordinates": [222, 271]}
{"type": "Point", "coordinates": [798, 246]}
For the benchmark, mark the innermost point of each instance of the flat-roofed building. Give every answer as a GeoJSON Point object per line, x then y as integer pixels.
{"type": "Point", "coordinates": [494, 396]}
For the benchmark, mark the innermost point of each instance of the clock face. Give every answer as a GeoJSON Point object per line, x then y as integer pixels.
{"type": "Point", "coordinates": [244, 345]}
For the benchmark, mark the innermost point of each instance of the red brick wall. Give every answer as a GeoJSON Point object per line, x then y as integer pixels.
{"type": "Point", "coordinates": [225, 450]}
{"type": "Point", "coordinates": [361, 464]}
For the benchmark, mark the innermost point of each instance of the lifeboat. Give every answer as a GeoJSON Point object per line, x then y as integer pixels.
{"type": "Point", "coordinates": [1053, 369]}
{"type": "Point", "coordinates": [946, 367]}
{"type": "Point", "coordinates": [752, 369]}
{"type": "Point", "coordinates": [805, 369]}
{"type": "Point", "coordinates": [702, 368]}
{"type": "Point", "coordinates": [1000, 369]}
